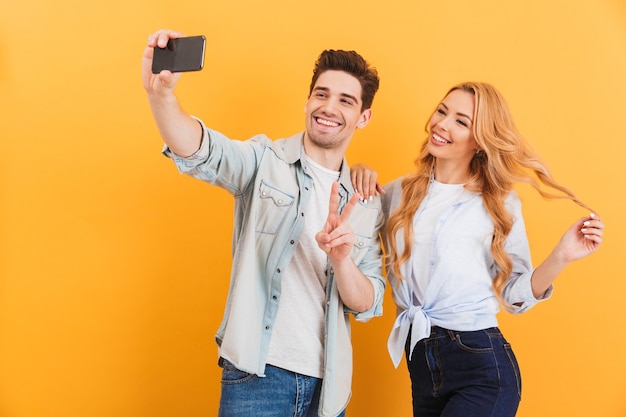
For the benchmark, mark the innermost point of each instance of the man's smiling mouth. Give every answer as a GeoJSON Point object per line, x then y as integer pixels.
{"type": "Point", "coordinates": [326, 122]}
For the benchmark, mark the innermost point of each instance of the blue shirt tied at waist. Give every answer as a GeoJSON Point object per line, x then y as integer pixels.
{"type": "Point", "coordinates": [459, 295]}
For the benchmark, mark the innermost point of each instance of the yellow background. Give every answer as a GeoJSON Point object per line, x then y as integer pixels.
{"type": "Point", "coordinates": [113, 268]}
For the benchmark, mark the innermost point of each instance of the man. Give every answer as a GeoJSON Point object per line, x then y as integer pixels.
{"type": "Point", "coordinates": [306, 250]}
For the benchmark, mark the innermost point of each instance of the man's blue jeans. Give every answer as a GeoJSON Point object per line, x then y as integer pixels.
{"type": "Point", "coordinates": [280, 393]}
{"type": "Point", "coordinates": [464, 374]}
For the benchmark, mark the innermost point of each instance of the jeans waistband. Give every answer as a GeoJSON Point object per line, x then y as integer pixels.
{"type": "Point", "coordinates": [437, 331]}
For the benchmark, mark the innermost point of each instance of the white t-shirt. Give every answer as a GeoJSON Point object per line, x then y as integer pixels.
{"type": "Point", "coordinates": [440, 197]}
{"type": "Point", "coordinates": [297, 342]}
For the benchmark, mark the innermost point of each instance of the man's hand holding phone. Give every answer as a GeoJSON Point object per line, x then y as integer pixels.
{"type": "Point", "coordinates": [167, 54]}
{"type": "Point", "coordinates": [163, 83]}
{"type": "Point", "coordinates": [179, 131]}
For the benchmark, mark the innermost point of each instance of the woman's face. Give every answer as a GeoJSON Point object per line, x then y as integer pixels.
{"type": "Point", "coordinates": [451, 138]}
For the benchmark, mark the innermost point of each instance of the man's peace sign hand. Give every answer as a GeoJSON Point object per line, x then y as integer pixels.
{"type": "Point", "coordinates": [336, 237]}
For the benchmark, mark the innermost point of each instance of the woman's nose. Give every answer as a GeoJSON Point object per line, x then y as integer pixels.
{"type": "Point", "coordinates": [444, 123]}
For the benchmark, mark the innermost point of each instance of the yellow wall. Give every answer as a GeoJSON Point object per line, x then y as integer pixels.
{"type": "Point", "coordinates": [113, 267]}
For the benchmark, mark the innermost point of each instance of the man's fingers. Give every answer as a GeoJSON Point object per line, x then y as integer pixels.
{"type": "Point", "coordinates": [340, 235]}
{"type": "Point", "coordinates": [322, 239]}
{"type": "Point", "coordinates": [333, 205]}
{"type": "Point", "coordinates": [161, 37]}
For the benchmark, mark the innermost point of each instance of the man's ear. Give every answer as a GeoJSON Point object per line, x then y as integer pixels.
{"type": "Point", "coordinates": [365, 118]}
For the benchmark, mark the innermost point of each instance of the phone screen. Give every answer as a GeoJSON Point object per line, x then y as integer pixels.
{"type": "Point", "coordinates": [180, 55]}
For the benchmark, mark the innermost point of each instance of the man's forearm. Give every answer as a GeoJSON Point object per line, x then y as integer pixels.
{"type": "Point", "coordinates": [355, 289]}
{"type": "Point", "coordinates": [180, 132]}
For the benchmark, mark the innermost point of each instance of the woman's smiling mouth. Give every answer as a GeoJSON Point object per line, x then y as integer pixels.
{"type": "Point", "coordinates": [439, 139]}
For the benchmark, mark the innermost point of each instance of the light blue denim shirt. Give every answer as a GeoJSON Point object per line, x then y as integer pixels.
{"type": "Point", "coordinates": [271, 188]}
{"type": "Point", "coordinates": [460, 295]}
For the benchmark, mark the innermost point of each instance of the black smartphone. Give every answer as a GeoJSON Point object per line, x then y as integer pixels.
{"type": "Point", "coordinates": [180, 55]}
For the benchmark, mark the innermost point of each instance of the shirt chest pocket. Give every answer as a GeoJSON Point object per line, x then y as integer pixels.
{"type": "Point", "coordinates": [363, 223]}
{"type": "Point", "coordinates": [273, 208]}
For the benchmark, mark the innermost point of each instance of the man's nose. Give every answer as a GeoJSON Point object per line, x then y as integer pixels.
{"type": "Point", "coordinates": [330, 105]}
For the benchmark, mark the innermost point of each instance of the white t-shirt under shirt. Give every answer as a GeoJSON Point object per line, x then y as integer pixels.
{"type": "Point", "coordinates": [297, 342]}
{"type": "Point", "coordinates": [440, 197]}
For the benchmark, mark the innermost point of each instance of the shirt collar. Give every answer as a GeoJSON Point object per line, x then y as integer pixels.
{"type": "Point", "coordinates": [294, 150]}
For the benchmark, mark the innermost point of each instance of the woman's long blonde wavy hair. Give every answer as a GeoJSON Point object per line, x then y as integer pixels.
{"type": "Point", "coordinates": [505, 158]}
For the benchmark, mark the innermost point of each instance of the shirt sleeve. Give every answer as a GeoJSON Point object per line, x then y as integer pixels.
{"type": "Point", "coordinates": [518, 290]}
{"type": "Point", "coordinates": [371, 267]}
{"type": "Point", "coordinates": [226, 163]}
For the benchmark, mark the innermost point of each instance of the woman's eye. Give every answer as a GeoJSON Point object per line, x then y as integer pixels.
{"type": "Point", "coordinates": [462, 123]}
{"type": "Point", "coordinates": [440, 111]}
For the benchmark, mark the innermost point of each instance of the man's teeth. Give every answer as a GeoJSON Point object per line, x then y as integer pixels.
{"type": "Point", "coordinates": [327, 123]}
{"type": "Point", "coordinates": [440, 139]}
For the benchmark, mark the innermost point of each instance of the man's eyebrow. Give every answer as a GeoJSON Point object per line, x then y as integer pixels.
{"type": "Point", "coordinates": [351, 97]}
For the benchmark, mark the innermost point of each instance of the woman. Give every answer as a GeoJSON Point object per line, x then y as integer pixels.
{"type": "Point", "coordinates": [457, 249]}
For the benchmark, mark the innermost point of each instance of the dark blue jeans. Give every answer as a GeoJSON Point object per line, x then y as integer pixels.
{"type": "Point", "coordinates": [464, 374]}
{"type": "Point", "coordinates": [280, 393]}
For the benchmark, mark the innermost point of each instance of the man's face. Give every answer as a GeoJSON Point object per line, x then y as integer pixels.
{"type": "Point", "coordinates": [333, 110]}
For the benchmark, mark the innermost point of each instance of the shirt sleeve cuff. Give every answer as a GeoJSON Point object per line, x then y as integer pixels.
{"type": "Point", "coordinates": [520, 294]}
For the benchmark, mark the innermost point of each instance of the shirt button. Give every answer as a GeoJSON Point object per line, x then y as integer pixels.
{"type": "Point", "coordinates": [264, 193]}
{"type": "Point", "coordinates": [280, 201]}
{"type": "Point", "coordinates": [267, 327]}
{"type": "Point", "coordinates": [292, 242]}
{"type": "Point", "coordinates": [360, 244]}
